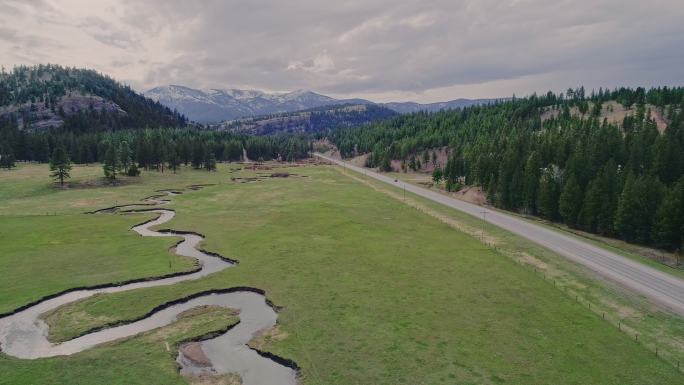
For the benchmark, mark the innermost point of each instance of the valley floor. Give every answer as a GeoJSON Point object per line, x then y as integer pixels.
{"type": "Point", "coordinates": [372, 290]}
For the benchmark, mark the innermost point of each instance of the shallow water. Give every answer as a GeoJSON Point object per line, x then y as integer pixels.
{"type": "Point", "coordinates": [24, 334]}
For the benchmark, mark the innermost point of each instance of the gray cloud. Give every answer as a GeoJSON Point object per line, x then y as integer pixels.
{"type": "Point", "coordinates": [107, 33]}
{"type": "Point", "coordinates": [424, 49]}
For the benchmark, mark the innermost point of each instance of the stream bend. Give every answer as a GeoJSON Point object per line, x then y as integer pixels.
{"type": "Point", "coordinates": [23, 334]}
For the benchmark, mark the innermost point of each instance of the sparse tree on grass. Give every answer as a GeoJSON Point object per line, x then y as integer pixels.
{"type": "Point", "coordinates": [111, 163]}
{"type": "Point", "coordinates": [133, 170]}
{"type": "Point", "coordinates": [198, 154]}
{"type": "Point", "coordinates": [174, 159]}
{"type": "Point", "coordinates": [6, 157]}
{"type": "Point", "coordinates": [60, 165]}
{"type": "Point", "coordinates": [125, 158]}
{"type": "Point", "coordinates": [437, 175]}
{"type": "Point", "coordinates": [386, 163]}
{"type": "Point", "coordinates": [210, 161]}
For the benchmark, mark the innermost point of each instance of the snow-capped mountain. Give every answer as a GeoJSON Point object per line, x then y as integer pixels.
{"type": "Point", "coordinates": [218, 105]}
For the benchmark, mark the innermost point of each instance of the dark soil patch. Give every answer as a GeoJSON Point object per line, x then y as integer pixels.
{"type": "Point", "coordinates": [95, 183]}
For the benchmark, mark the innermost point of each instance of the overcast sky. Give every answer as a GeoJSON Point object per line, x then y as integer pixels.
{"type": "Point", "coordinates": [422, 50]}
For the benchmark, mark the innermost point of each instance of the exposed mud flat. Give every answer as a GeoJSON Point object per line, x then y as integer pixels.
{"type": "Point", "coordinates": [192, 351]}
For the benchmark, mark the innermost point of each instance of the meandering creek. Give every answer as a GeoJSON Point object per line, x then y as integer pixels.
{"type": "Point", "coordinates": [24, 334]}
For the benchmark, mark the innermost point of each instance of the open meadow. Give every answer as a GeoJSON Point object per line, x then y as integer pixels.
{"type": "Point", "coordinates": [371, 290]}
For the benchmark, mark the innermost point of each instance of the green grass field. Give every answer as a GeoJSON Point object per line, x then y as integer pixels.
{"type": "Point", "coordinates": [374, 291]}
{"type": "Point", "coordinates": [656, 258]}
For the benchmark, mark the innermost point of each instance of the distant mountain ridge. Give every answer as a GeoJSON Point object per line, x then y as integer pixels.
{"type": "Point", "coordinates": [310, 120]}
{"type": "Point", "coordinates": [218, 105]}
{"type": "Point", "coordinates": [409, 107]}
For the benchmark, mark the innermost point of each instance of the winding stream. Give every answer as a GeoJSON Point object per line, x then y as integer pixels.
{"type": "Point", "coordinates": [24, 334]}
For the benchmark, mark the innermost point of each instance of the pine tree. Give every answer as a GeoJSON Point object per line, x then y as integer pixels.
{"type": "Point", "coordinates": [610, 186]}
{"type": "Point", "coordinates": [198, 154]}
{"type": "Point", "coordinates": [548, 195]}
{"type": "Point", "coordinates": [437, 175]}
{"type": "Point", "coordinates": [60, 165]}
{"type": "Point", "coordinates": [591, 206]}
{"type": "Point", "coordinates": [531, 182]}
{"type": "Point", "coordinates": [111, 163]}
{"type": "Point", "coordinates": [637, 207]}
{"type": "Point", "coordinates": [174, 160]}
{"type": "Point", "coordinates": [6, 156]}
{"type": "Point", "coordinates": [133, 170]}
{"type": "Point", "coordinates": [491, 189]}
{"type": "Point", "coordinates": [125, 158]}
{"type": "Point", "coordinates": [625, 218]}
{"type": "Point", "coordinates": [412, 163]}
{"type": "Point", "coordinates": [162, 155]}
{"type": "Point", "coordinates": [668, 231]}
{"type": "Point", "coordinates": [570, 202]}
{"type": "Point", "coordinates": [386, 163]}
{"type": "Point", "coordinates": [210, 161]}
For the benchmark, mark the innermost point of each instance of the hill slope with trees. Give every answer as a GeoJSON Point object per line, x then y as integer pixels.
{"type": "Point", "coordinates": [311, 120]}
{"type": "Point", "coordinates": [622, 179]}
{"type": "Point", "coordinates": [76, 100]}
{"type": "Point", "coordinates": [87, 117]}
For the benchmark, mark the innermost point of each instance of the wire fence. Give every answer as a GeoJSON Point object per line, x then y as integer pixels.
{"type": "Point", "coordinates": [654, 346]}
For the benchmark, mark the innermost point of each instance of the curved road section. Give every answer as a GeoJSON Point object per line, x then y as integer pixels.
{"type": "Point", "coordinates": [658, 286]}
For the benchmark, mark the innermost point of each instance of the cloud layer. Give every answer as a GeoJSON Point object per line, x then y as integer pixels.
{"type": "Point", "coordinates": [383, 49]}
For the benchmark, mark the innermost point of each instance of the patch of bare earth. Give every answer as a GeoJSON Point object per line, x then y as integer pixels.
{"type": "Point", "coordinates": [97, 183]}
{"type": "Point", "coordinates": [441, 157]}
{"type": "Point", "coordinates": [472, 194]}
{"type": "Point", "coordinates": [613, 112]}
{"type": "Point", "coordinates": [193, 352]}
{"type": "Point", "coordinates": [359, 160]}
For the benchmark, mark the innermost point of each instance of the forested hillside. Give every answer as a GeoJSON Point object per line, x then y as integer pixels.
{"type": "Point", "coordinates": [149, 148]}
{"type": "Point", "coordinates": [76, 100]}
{"type": "Point", "coordinates": [556, 156]}
{"type": "Point", "coordinates": [311, 120]}
{"type": "Point", "coordinates": [48, 107]}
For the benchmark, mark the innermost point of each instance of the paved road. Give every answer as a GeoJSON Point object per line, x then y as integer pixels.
{"type": "Point", "coordinates": [663, 288]}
